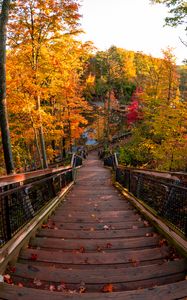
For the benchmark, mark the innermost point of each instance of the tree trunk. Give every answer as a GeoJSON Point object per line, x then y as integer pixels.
{"type": "Point", "coordinates": [63, 147]}
{"type": "Point", "coordinates": [36, 142]}
{"type": "Point", "coordinates": [3, 107]}
{"type": "Point", "coordinates": [41, 136]}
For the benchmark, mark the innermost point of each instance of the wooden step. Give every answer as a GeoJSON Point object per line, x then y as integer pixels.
{"type": "Point", "coordinates": [134, 257]}
{"type": "Point", "coordinates": [97, 226]}
{"type": "Point", "coordinates": [96, 239]}
{"type": "Point", "coordinates": [126, 276]}
{"type": "Point", "coordinates": [92, 245]}
{"type": "Point", "coordinates": [92, 234]}
{"type": "Point", "coordinates": [172, 291]}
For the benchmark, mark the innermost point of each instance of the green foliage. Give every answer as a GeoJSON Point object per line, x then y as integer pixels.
{"type": "Point", "coordinates": [177, 10]}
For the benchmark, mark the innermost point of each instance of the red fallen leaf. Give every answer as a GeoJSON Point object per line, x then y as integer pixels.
{"type": "Point", "coordinates": [82, 250]}
{"type": "Point", "coordinates": [108, 288]}
{"type": "Point", "coordinates": [34, 256]}
{"type": "Point", "coordinates": [13, 269]}
{"type": "Point", "coordinates": [7, 279]}
{"type": "Point", "coordinates": [108, 245]}
{"type": "Point", "coordinates": [20, 284]}
{"type": "Point", "coordinates": [61, 287]}
{"type": "Point", "coordinates": [162, 242]}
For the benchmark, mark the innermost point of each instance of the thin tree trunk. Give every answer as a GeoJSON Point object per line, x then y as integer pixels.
{"type": "Point", "coordinates": [41, 136]}
{"type": "Point", "coordinates": [63, 147]}
{"type": "Point", "coordinates": [36, 142]}
{"type": "Point", "coordinates": [3, 107]}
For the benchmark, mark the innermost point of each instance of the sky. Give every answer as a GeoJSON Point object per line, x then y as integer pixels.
{"type": "Point", "coordinates": [131, 24]}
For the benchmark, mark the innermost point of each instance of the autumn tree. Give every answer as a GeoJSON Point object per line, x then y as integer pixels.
{"type": "Point", "coordinates": [5, 6]}
{"type": "Point", "coordinates": [34, 24]}
{"type": "Point", "coordinates": [158, 139]}
{"type": "Point", "coordinates": [62, 109]}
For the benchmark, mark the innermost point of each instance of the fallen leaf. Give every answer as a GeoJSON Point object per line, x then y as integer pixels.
{"type": "Point", "coordinates": [108, 288]}
{"type": "Point", "coordinates": [20, 284]}
{"type": "Point", "coordinates": [34, 256]}
{"type": "Point", "coordinates": [135, 262]}
{"type": "Point", "coordinates": [45, 226]}
{"type": "Point", "coordinates": [13, 269]}
{"type": "Point", "coordinates": [82, 287]}
{"type": "Point", "coordinates": [37, 282]}
{"type": "Point", "coordinates": [61, 287]}
{"type": "Point", "coordinates": [162, 242]}
{"type": "Point", "coordinates": [146, 224]}
{"type": "Point", "coordinates": [108, 245]}
{"type": "Point", "coordinates": [52, 288]}
{"type": "Point", "coordinates": [82, 250]}
{"type": "Point", "coordinates": [106, 227]}
{"type": "Point", "coordinates": [99, 249]}
{"type": "Point", "coordinates": [7, 279]}
{"type": "Point", "coordinates": [92, 229]}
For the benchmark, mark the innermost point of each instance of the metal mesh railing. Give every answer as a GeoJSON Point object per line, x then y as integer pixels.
{"type": "Point", "coordinates": [111, 161]}
{"type": "Point", "coordinates": [19, 204]}
{"type": "Point", "coordinates": [167, 197]}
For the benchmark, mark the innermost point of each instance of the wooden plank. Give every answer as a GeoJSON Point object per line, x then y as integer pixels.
{"type": "Point", "coordinates": [92, 234]}
{"type": "Point", "coordinates": [116, 275]}
{"type": "Point", "coordinates": [166, 292]}
{"type": "Point", "coordinates": [92, 245]}
{"type": "Point", "coordinates": [98, 226]}
{"type": "Point", "coordinates": [102, 258]}
{"type": "Point", "coordinates": [95, 218]}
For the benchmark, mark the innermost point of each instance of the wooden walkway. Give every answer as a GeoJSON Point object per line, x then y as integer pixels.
{"type": "Point", "coordinates": [96, 246]}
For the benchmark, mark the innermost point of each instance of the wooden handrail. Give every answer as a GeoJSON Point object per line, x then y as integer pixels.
{"type": "Point", "coordinates": [17, 178]}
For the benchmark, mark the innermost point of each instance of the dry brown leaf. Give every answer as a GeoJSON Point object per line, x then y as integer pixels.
{"type": "Point", "coordinates": [20, 284]}
{"type": "Point", "coordinates": [99, 249]}
{"type": "Point", "coordinates": [37, 282]}
{"type": "Point", "coordinates": [134, 262]}
{"type": "Point", "coordinates": [146, 223]}
{"type": "Point", "coordinates": [82, 287]}
{"type": "Point", "coordinates": [52, 288]}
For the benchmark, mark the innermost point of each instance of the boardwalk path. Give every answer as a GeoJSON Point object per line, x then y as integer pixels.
{"type": "Point", "coordinates": [96, 241]}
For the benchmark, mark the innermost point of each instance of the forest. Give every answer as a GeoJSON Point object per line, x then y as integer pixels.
{"type": "Point", "coordinates": [59, 89]}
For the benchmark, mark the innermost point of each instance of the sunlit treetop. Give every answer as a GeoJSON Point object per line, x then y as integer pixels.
{"type": "Point", "coordinates": [40, 20]}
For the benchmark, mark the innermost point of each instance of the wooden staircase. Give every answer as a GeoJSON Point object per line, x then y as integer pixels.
{"type": "Point", "coordinates": [96, 246]}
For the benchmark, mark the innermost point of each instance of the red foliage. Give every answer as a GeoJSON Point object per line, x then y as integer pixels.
{"type": "Point", "coordinates": [133, 108]}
